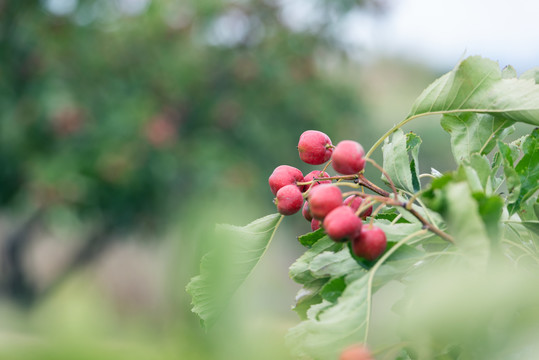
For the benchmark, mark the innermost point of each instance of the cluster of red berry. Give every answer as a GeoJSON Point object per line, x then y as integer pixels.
{"type": "Point", "coordinates": [325, 207]}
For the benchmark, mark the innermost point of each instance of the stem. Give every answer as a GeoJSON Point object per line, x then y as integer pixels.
{"type": "Point", "coordinates": [431, 227]}
{"type": "Point", "coordinates": [344, 177]}
{"type": "Point", "coordinates": [392, 202]}
{"type": "Point", "coordinates": [364, 182]}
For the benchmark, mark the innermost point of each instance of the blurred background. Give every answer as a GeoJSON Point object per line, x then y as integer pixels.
{"type": "Point", "coordinates": [128, 128]}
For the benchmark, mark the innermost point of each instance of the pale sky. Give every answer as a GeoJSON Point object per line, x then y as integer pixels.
{"type": "Point", "coordinates": [440, 32]}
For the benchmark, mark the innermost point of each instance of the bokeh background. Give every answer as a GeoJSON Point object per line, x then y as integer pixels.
{"type": "Point", "coordinates": [128, 128]}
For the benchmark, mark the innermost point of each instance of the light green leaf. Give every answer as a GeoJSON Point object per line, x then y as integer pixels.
{"type": "Point", "coordinates": [466, 224]}
{"type": "Point", "coordinates": [300, 270]}
{"type": "Point", "coordinates": [396, 161]}
{"type": "Point", "coordinates": [477, 85]}
{"type": "Point", "coordinates": [224, 268]}
{"type": "Point", "coordinates": [334, 264]}
{"type": "Point", "coordinates": [474, 133]}
{"type": "Point", "coordinates": [532, 74]}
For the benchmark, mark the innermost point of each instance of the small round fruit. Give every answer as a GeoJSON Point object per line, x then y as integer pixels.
{"type": "Point", "coordinates": [315, 174]}
{"type": "Point", "coordinates": [314, 147]}
{"type": "Point", "coordinates": [356, 352]}
{"type": "Point", "coordinates": [342, 224]}
{"type": "Point", "coordinates": [348, 157]}
{"type": "Point", "coordinates": [371, 242]}
{"type": "Point", "coordinates": [284, 175]}
{"type": "Point", "coordinates": [315, 224]}
{"type": "Point", "coordinates": [289, 200]}
{"type": "Point", "coordinates": [355, 202]}
{"type": "Point", "coordinates": [306, 212]}
{"type": "Point", "coordinates": [323, 199]}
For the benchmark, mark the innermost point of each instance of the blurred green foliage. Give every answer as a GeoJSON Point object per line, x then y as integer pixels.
{"type": "Point", "coordinates": [120, 110]}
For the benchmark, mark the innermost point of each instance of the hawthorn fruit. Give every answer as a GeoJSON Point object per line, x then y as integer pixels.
{"type": "Point", "coordinates": [354, 202]}
{"type": "Point", "coordinates": [342, 224]}
{"type": "Point", "coordinates": [315, 174]}
{"type": "Point", "coordinates": [314, 147]}
{"type": "Point", "coordinates": [356, 352]}
{"type": "Point", "coordinates": [289, 200]}
{"type": "Point", "coordinates": [371, 242]}
{"type": "Point", "coordinates": [284, 175]}
{"type": "Point", "coordinates": [348, 157]}
{"type": "Point", "coordinates": [323, 199]}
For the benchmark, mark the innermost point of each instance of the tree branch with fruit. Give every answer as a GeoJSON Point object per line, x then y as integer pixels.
{"type": "Point", "coordinates": [454, 232]}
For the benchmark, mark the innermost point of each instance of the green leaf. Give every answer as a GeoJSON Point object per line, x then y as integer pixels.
{"type": "Point", "coordinates": [309, 239]}
{"type": "Point", "coordinates": [474, 133]}
{"type": "Point", "coordinates": [528, 169]}
{"type": "Point", "coordinates": [512, 180]}
{"type": "Point", "coordinates": [333, 289]}
{"type": "Point", "coordinates": [333, 328]}
{"type": "Point", "coordinates": [532, 225]}
{"type": "Point", "coordinates": [224, 268]}
{"type": "Point", "coordinates": [476, 85]}
{"type": "Point", "coordinates": [308, 296]}
{"type": "Point", "coordinates": [334, 264]}
{"type": "Point", "coordinates": [300, 270]}
{"type": "Point", "coordinates": [397, 162]}
{"type": "Point", "coordinates": [413, 142]}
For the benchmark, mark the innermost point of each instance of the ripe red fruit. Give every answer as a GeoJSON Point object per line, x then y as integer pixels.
{"type": "Point", "coordinates": [356, 352]}
{"type": "Point", "coordinates": [371, 242]}
{"type": "Point", "coordinates": [289, 200]}
{"type": "Point", "coordinates": [315, 224]}
{"type": "Point", "coordinates": [323, 199]}
{"type": "Point", "coordinates": [284, 175]}
{"type": "Point", "coordinates": [348, 157]}
{"type": "Point", "coordinates": [306, 212]}
{"type": "Point", "coordinates": [315, 174]}
{"type": "Point", "coordinates": [355, 202]}
{"type": "Point", "coordinates": [314, 147]}
{"type": "Point", "coordinates": [342, 224]}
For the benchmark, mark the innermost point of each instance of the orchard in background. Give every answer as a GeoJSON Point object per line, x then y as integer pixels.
{"type": "Point", "coordinates": [459, 250]}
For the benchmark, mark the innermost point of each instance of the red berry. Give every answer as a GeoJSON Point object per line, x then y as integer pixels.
{"type": "Point", "coordinates": [314, 147]}
{"type": "Point", "coordinates": [315, 224]}
{"type": "Point", "coordinates": [356, 352]}
{"type": "Point", "coordinates": [342, 223]}
{"type": "Point", "coordinates": [355, 202]}
{"type": "Point", "coordinates": [289, 200]}
{"type": "Point", "coordinates": [284, 175]}
{"type": "Point", "coordinates": [347, 158]}
{"type": "Point", "coordinates": [306, 212]}
{"type": "Point", "coordinates": [371, 242]}
{"type": "Point", "coordinates": [323, 199]}
{"type": "Point", "coordinates": [315, 174]}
